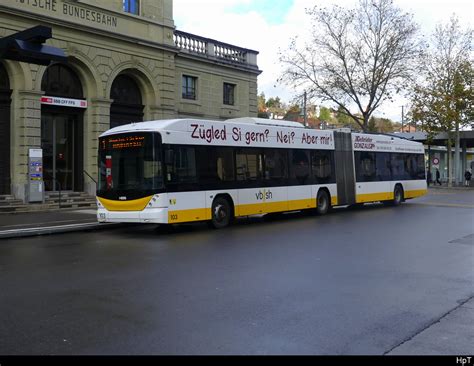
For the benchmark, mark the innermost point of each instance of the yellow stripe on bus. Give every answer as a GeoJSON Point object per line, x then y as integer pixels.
{"type": "Point", "coordinates": [301, 204]}
{"type": "Point", "coordinates": [252, 209]}
{"type": "Point", "coordinates": [373, 197]}
{"type": "Point", "coordinates": [198, 214]}
{"type": "Point", "coordinates": [281, 206]}
{"type": "Point", "coordinates": [387, 196]}
{"type": "Point", "coordinates": [416, 193]}
{"type": "Point", "coordinates": [202, 214]}
{"type": "Point", "coordinates": [135, 205]}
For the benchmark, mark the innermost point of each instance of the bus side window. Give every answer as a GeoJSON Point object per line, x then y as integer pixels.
{"type": "Point", "coordinates": [365, 166]}
{"type": "Point", "coordinates": [300, 167]}
{"type": "Point", "coordinates": [384, 173]}
{"type": "Point", "coordinates": [321, 161]}
{"type": "Point", "coordinates": [225, 164]}
{"type": "Point", "coordinates": [183, 168]}
{"type": "Point", "coordinates": [276, 165]}
{"type": "Point", "coordinates": [249, 164]}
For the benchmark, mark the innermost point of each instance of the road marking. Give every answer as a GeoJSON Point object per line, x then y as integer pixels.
{"type": "Point", "coordinates": [441, 204]}
{"type": "Point", "coordinates": [47, 228]}
{"type": "Point", "coordinates": [6, 234]}
{"type": "Point", "coordinates": [45, 223]}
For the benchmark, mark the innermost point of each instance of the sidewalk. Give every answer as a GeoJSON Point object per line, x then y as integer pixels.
{"type": "Point", "coordinates": [451, 334]}
{"type": "Point", "coordinates": [456, 188]}
{"type": "Point", "coordinates": [13, 225]}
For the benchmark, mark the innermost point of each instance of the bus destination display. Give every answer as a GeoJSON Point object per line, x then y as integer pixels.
{"type": "Point", "coordinates": [124, 142]}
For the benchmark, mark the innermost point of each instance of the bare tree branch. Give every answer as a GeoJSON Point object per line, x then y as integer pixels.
{"type": "Point", "coordinates": [355, 58]}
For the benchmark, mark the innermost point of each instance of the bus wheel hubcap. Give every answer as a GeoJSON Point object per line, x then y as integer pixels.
{"type": "Point", "coordinates": [219, 213]}
{"type": "Point", "coordinates": [322, 203]}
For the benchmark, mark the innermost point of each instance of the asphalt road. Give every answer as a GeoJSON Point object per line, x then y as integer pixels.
{"type": "Point", "coordinates": [360, 281]}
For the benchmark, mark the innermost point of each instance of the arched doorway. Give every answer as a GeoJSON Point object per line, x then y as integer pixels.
{"type": "Point", "coordinates": [127, 101]}
{"type": "Point", "coordinates": [5, 101]}
{"type": "Point", "coordinates": [62, 129]}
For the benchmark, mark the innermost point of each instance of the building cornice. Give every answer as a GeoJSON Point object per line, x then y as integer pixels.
{"type": "Point", "coordinates": [30, 16]}
{"type": "Point", "coordinates": [219, 62]}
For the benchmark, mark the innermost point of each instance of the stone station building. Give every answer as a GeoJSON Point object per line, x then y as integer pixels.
{"type": "Point", "coordinates": [126, 62]}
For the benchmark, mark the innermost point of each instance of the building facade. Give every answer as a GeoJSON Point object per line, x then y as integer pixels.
{"type": "Point", "coordinates": [126, 63]}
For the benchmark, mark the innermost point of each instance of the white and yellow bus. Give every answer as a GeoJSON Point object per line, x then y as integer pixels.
{"type": "Point", "coordinates": [185, 170]}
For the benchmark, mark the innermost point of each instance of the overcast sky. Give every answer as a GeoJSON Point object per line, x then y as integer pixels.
{"type": "Point", "coordinates": [267, 25]}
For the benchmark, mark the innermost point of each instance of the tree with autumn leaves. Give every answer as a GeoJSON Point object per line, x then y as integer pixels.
{"type": "Point", "coordinates": [442, 95]}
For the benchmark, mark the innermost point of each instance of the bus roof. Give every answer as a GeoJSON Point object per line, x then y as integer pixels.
{"type": "Point", "coordinates": [259, 132]}
{"type": "Point", "coordinates": [176, 124]}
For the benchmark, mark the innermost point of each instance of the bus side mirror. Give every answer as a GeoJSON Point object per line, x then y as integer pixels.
{"type": "Point", "coordinates": [169, 157]}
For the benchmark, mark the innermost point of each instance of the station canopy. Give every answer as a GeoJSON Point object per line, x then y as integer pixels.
{"type": "Point", "coordinates": [28, 46]}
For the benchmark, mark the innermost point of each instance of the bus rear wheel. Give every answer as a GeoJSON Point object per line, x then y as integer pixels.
{"type": "Point", "coordinates": [221, 213]}
{"type": "Point", "coordinates": [397, 197]}
{"type": "Point", "coordinates": [322, 203]}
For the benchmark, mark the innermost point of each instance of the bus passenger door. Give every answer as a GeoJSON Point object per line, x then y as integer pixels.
{"type": "Point", "coordinates": [345, 174]}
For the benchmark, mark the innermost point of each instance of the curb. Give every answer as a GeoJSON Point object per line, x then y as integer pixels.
{"type": "Point", "coordinates": [47, 230]}
{"type": "Point", "coordinates": [444, 186]}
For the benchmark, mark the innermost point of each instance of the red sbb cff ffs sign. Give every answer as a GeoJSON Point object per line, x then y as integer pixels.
{"type": "Point", "coordinates": [64, 102]}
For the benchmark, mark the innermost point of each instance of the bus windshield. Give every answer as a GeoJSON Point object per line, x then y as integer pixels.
{"type": "Point", "coordinates": [129, 165]}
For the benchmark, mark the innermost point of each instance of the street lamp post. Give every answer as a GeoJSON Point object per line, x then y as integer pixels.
{"type": "Point", "coordinates": [403, 116]}
{"type": "Point", "coordinates": [304, 111]}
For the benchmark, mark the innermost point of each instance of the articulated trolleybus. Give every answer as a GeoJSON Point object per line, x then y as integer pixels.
{"type": "Point", "coordinates": [185, 170]}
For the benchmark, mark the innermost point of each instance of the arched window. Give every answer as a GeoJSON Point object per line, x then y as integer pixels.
{"type": "Point", "coordinates": [127, 101]}
{"type": "Point", "coordinates": [60, 81]}
{"type": "Point", "coordinates": [62, 136]}
{"type": "Point", "coordinates": [125, 91]}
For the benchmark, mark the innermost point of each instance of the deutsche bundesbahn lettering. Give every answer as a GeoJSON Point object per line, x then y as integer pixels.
{"type": "Point", "coordinates": [72, 11]}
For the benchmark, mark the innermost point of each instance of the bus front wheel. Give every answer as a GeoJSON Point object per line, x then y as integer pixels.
{"type": "Point", "coordinates": [322, 203]}
{"type": "Point", "coordinates": [221, 213]}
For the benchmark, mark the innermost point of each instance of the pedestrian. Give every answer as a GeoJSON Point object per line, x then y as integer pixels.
{"type": "Point", "coordinates": [438, 175]}
{"type": "Point", "coordinates": [467, 177]}
{"type": "Point", "coordinates": [428, 177]}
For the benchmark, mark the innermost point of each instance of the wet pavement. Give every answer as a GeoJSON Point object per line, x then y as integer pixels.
{"type": "Point", "coordinates": [373, 280]}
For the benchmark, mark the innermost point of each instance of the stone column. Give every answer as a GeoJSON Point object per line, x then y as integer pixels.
{"type": "Point", "coordinates": [155, 112]}
{"type": "Point", "coordinates": [464, 159]}
{"type": "Point", "coordinates": [26, 134]}
{"type": "Point", "coordinates": [98, 122]}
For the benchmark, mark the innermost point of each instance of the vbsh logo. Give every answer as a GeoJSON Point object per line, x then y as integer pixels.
{"type": "Point", "coordinates": [264, 195]}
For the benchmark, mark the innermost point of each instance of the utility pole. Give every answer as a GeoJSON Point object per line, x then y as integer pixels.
{"type": "Point", "coordinates": [304, 111]}
{"type": "Point", "coordinates": [458, 179]}
{"type": "Point", "coordinates": [403, 116]}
